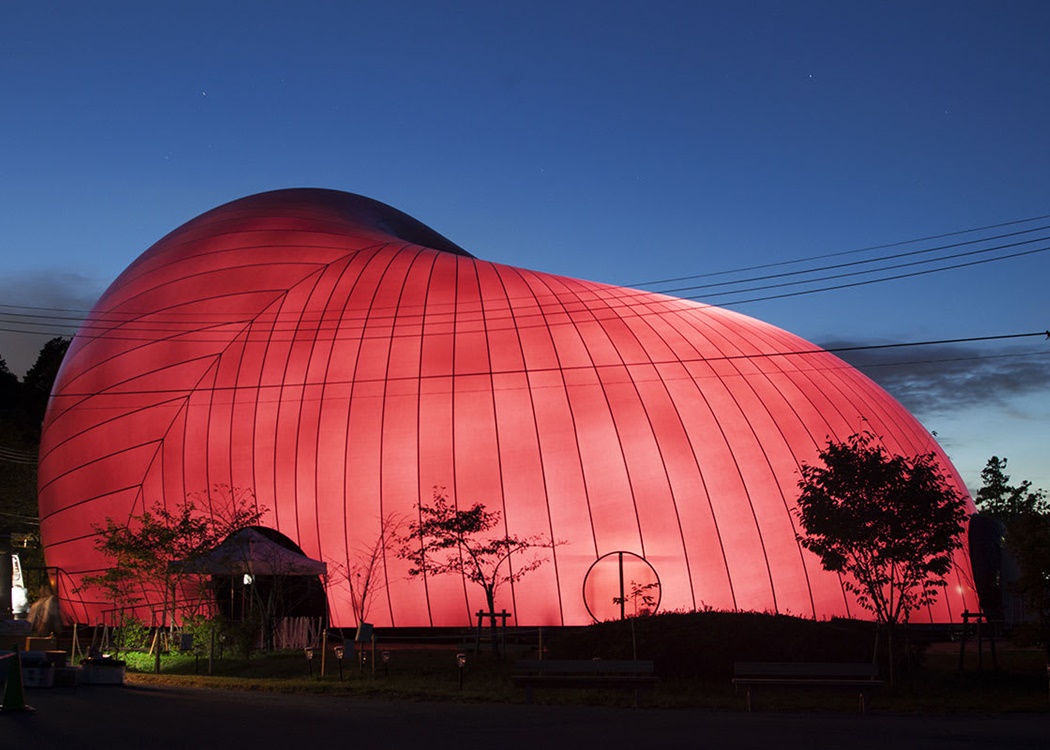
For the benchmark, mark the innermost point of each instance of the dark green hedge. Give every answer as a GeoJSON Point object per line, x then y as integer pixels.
{"type": "Point", "coordinates": [705, 644]}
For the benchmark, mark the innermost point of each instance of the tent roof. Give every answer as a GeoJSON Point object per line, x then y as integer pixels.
{"type": "Point", "coordinates": [248, 551]}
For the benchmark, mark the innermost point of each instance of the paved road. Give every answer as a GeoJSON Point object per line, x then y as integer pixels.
{"type": "Point", "coordinates": [153, 718]}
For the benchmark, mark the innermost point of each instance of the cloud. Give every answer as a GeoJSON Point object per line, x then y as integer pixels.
{"type": "Point", "coordinates": [37, 306]}
{"type": "Point", "coordinates": [940, 379]}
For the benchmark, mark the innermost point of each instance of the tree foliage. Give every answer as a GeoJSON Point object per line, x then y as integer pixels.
{"type": "Point", "coordinates": [1025, 514]}
{"type": "Point", "coordinates": [18, 480]}
{"type": "Point", "coordinates": [22, 406]}
{"type": "Point", "coordinates": [641, 596]}
{"type": "Point", "coordinates": [142, 549]}
{"type": "Point", "coordinates": [447, 540]}
{"type": "Point", "coordinates": [37, 384]}
{"type": "Point", "coordinates": [9, 390]}
{"type": "Point", "coordinates": [1002, 500]}
{"type": "Point", "coordinates": [888, 523]}
{"type": "Point", "coordinates": [1029, 542]}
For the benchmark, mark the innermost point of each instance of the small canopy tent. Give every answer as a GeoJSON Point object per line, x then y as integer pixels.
{"type": "Point", "coordinates": [249, 552]}
{"type": "Point", "coordinates": [251, 565]}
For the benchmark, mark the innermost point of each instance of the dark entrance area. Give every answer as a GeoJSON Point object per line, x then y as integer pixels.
{"type": "Point", "coordinates": [271, 590]}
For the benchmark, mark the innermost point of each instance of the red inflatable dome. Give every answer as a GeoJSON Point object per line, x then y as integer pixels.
{"type": "Point", "coordinates": [340, 360]}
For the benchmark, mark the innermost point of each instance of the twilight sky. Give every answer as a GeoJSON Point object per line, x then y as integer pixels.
{"type": "Point", "coordinates": [621, 142]}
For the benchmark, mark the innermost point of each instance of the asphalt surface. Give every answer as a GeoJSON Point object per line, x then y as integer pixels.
{"type": "Point", "coordinates": [141, 717]}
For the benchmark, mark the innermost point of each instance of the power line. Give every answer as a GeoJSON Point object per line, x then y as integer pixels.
{"type": "Point", "coordinates": [895, 256]}
{"type": "Point", "coordinates": [170, 321]}
{"type": "Point", "coordinates": [151, 324]}
{"type": "Point", "coordinates": [76, 316]}
{"type": "Point", "coordinates": [940, 342]}
{"type": "Point", "coordinates": [12, 456]}
{"type": "Point", "coordinates": [841, 253]}
{"type": "Point", "coordinates": [896, 277]}
{"type": "Point", "coordinates": [19, 517]}
{"type": "Point", "coordinates": [936, 360]}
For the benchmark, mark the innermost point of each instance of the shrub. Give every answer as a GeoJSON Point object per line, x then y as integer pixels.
{"type": "Point", "coordinates": [706, 644]}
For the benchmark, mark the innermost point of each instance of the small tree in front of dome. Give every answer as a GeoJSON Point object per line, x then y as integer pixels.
{"type": "Point", "coordinates": [449, 540]}
{"type": "Point", "coordinates": [142, 549]}
{"type": "Point", "coordinates": [887, 523]}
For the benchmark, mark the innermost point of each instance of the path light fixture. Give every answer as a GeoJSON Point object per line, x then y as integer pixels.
{"type": "Point", "coordinates": [339, 658]}
{"type": "Point", "coordinates": [461, 662]}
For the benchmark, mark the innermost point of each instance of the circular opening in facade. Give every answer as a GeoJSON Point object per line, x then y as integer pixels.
{"type": "Point", "coordinates": [620, 585]}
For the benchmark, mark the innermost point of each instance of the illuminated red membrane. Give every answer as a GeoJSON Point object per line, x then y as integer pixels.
{"type": "Point", "coordinates": [341, 360]}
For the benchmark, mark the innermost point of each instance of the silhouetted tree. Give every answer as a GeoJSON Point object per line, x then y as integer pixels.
{"type": "Point", "coordinates": [9, 390]}
{"type": "Point", "coordinates": [18, 456]}
{"type": "Point", "coordinates": [1002, 500]}
{"type": "Point", "coordinates": [142, 549]}
{"type": "Point", "coordinates": [37, 384]}
{"type": "Point", "coordinates": [888, 523]}
{"type": "Point", "coordinates": [22, 407]}
{"type": "Point", "coordinates": [1025, 515]}
{"type": "Point", "coordinates": [448, 540]}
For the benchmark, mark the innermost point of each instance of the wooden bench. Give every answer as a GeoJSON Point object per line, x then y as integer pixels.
{"type": "Point", "coordinates": [859, 677]}
{"type": "Point", "coordinates": [579, 673]}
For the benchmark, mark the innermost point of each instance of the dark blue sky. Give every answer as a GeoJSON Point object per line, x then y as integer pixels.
{"type": "Point", "coordinates": [614, 141]}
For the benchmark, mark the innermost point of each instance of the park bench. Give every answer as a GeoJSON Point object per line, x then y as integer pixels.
{"type": "Point", "coordinates": [579, 673]}
{"type": "Point", "coordinates": [859, 677]}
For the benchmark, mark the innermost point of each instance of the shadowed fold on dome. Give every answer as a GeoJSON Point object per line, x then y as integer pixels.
{"type": "Point", "coordinates": [340, 359]}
